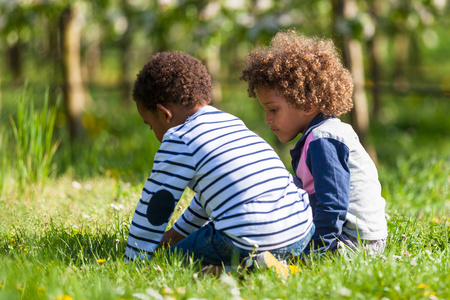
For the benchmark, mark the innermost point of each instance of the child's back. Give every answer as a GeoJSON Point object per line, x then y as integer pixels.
{"type": "Point", "coordinates": [245, 198]}
{"type": "Point", "coordinates": [240, 182]}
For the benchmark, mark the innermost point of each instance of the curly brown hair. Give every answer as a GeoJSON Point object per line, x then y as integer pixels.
{"type": "Point", "coordinates": [172, 77]}
{"type": "Point", "coordinates": [308, 72]}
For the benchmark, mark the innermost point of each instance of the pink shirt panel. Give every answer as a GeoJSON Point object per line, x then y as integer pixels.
{"type": "Point", "coordinates": [302, 171]}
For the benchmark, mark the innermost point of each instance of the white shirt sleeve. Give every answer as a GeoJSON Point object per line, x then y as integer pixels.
{"type": "Point", "coordinates": [172, 171]}
{"type": "Point", "coordinates": [192, 219]}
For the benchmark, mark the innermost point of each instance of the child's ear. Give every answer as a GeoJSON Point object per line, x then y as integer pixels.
{"type": "Point", "coordinates": [165, 111]}
{"type": "Point", "coordinates": [311, 111]}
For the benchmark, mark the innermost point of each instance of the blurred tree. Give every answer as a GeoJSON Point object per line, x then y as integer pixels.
{"type": "Point", "coordinates": [15, 30]}
{"type": "Point", "coordinates": [113, 24]}
{"type": "Point", "coordinates": [374, 43]}
{"type": "Point", "coordinates": [219, 32]}
{"type": "Point", "coordinates": [408, 23]}
{"type": "Point", "coordinates": [405, 24]}
{"type": "Point", "coordinates": [0, 94]}
{"type": "Point", "coordinates": [22, 26]}
{"type": "Point", "coordinates": [125, 44]}
{"type": "Point", "coordinates": [73, 87]}
{"type": "Point", "coordinates": [348, 35]}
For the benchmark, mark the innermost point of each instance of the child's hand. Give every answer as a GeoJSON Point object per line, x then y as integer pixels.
{"type": "Point", "coordinates": [170, 238]}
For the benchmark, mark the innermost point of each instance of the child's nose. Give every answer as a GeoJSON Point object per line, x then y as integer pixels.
{"type": "Point", "coordinates": [267, 120]}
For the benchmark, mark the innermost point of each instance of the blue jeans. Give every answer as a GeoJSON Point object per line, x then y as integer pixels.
{"type": "Point", "coordinates": [213, 247]}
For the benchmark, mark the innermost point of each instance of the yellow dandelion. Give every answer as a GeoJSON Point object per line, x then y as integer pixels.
{"type": "Point", "coordinates": [101, 260]}
{"type": "Point", "coordinates": [63, 297]}
{"type": "Point", "coordinates": [41, 288]}
{"type": "Point", "coordinates": [1, 286]}
{"type": "Point", "coordinates": [20, 288]}
{"type": "Point", "coordinates": [421, 286]}
{"type": "Point", "coordinates": [166, 290]}
{"type": "Point", "coordinates": [294, 269]}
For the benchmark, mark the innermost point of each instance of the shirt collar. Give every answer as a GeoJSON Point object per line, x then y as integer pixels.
{"type": "Point", "coordinates": [319, 119]}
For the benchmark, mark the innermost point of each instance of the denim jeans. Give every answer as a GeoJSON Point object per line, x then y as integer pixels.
{"type": "Point", "coordinates": [213, 247]}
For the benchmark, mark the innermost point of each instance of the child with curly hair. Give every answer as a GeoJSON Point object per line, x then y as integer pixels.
{"type": "Point", "coordinates": [245, 198]}
{"type": "Point", "coordinates": [303, 87]}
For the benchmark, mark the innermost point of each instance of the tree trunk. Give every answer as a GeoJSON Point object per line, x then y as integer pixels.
{"type": "Point", "coordinates": [375, 55]}
{"type": "Point", "coordinates": [401, 54]}
{"type": "Point", "coordinates": [92, 61]}
{"type": "Point", "coordinates": [161, 30]}
{"type": "Point", "coordinates": [213, 66]}
{"type": "Point", "coordinates": [15, 59]}
{"type": "Point", "coordinates": [375, 74]}
{"type": "Point", "coordinates": [415, 61]}
{"type": "Point", "coordinates": [346, 10]}
{"type": "Point", "coordinates": [54, 51]}
{"type": "Point", "coordinates": [0, 94]}
{"type": "Point", "coordinates": [125, 49]}
{"type": "Point", "coordinates": [74, 93]}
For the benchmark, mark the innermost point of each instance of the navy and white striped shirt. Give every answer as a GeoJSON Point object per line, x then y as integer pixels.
{"type": "Point", "coordinates": [241, 186]}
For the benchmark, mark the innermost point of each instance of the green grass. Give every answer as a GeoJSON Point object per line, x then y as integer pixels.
{"type": "Point", "coordinates": [34, 147]}
{"type": "Point", "coordinates": [68, 241]}
{"type": "Point", "coordinates": [53, 259]}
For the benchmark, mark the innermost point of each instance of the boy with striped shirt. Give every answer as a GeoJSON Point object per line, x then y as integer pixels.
{"type": "Point", "coordinates": [245, 198]}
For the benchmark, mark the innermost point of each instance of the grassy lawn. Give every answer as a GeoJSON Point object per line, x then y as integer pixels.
{"type": "Point", "coordinates": [64, 238]}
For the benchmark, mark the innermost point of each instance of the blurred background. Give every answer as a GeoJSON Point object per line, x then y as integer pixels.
{"type": "Point", "coordinates": [86, 53]}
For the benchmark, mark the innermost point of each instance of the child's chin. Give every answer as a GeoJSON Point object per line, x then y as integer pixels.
{"type": "Point", "coordinates": [284, 139]}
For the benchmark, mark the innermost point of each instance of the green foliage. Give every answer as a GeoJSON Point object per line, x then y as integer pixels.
{"type": "Point", "coordinates": [5, 159]}
{"type": "Point", "coordinates": [117, 144]}
{"type": "Point", "coordinates": [34, 147]}
{"type": "Point", "coordinates": [70, 241]}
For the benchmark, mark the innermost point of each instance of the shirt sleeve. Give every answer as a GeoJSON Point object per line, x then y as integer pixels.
{"type": "Point", "coordinates": [192, 219]}
{"type": "Point", "coordinates": [327, 160]}
{"type": "Point", "coordinates": [173, 169]}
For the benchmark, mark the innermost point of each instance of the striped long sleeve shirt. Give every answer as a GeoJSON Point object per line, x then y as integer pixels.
{"type": "Point", "coordinates": [241, 186]}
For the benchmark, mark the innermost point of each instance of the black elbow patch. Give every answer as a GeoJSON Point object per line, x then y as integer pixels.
{"type": "Point", "coordinates": [160, 207]}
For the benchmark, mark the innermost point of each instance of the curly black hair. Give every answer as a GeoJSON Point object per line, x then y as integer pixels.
{"type": "Point", "coordinates": [172, 77]}
{"type": "Point", "coordinates": [308, 72]}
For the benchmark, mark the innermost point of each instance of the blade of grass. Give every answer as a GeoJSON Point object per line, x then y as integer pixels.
{"type": "Point", "coordinates": [34, 145]}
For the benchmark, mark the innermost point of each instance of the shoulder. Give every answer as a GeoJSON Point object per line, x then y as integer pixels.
{"type": "Point", "coordinates": [206, 120]}
{"type": "Point", "coordinates": [334, 128]}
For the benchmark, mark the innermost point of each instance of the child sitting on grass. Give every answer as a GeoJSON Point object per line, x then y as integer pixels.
{"type": "Point", "coordinates": [245, 198]}
{"type": "Point", "coordinates": [303, 87]}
